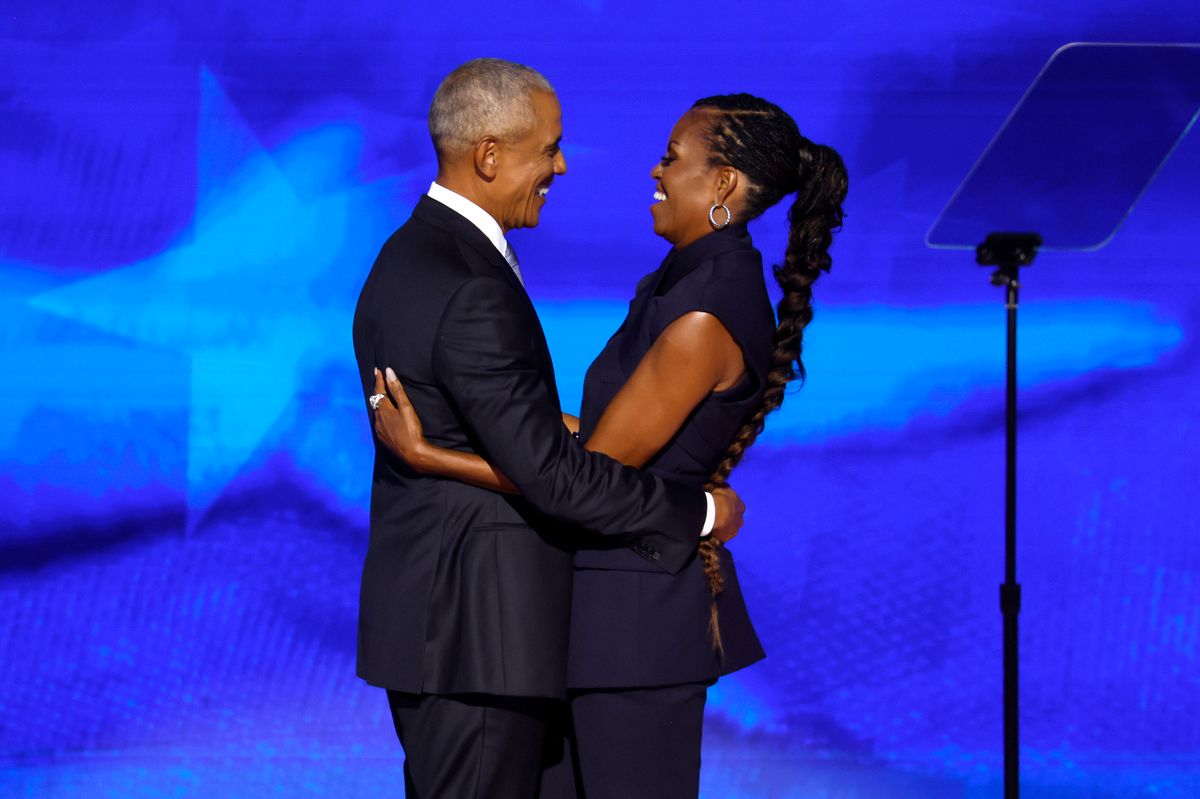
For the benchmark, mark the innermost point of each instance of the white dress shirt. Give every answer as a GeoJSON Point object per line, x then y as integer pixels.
{"type": "Point", "coordinates": [472, 213]}
{"type": "Point", "coordinates": [495, 234]}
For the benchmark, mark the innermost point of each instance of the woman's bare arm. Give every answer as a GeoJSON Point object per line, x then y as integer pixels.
{"type": "Point", "coordinates": [399, 429]}
{"type": "Point", "coordinates": [694, 356]}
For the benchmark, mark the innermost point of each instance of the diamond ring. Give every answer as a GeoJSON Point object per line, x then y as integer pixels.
{"type": "Point", "coordinates": [375, 399]}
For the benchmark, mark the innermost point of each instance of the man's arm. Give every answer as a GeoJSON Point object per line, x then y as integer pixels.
{"type": "Point", "coordinates": [398, 427]}
{"type": "Point", "coordinates": [483, 361]}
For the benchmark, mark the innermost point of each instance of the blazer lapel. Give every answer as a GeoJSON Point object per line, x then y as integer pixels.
{"type": "Point", "coordinates": [437, 214]}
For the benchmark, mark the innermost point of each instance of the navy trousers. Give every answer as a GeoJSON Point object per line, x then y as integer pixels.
{"type": "Point", "coordinates": [628, 743]}
{"type": "Point", "coordinates": [470, 746]}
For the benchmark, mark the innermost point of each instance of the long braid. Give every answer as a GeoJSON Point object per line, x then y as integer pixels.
{"type": "Point", "coordinates": [762, 142]}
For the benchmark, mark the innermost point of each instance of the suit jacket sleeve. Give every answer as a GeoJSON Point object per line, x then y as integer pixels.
{"type": "Point", "coordinates": [484, 361]}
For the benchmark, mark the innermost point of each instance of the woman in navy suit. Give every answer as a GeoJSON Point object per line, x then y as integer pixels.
{"type": "Point", "coordinates": [682, 389]}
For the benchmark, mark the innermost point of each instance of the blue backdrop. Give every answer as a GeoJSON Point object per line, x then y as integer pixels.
{"type": "Point", "coordinates": [192, 194]}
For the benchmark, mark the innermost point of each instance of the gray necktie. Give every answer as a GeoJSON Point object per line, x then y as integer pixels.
{"type": "Point", "coordinates": [511, 257]}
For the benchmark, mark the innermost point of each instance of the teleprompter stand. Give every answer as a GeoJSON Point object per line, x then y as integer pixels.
{"type": "Point", "coordinates": [1070, 162]}
{"type": "Point", "coordinates": [1008, 252]}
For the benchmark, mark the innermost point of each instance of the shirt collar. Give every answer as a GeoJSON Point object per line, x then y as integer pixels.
{"type": "Point", "coordinates": [472, 213]}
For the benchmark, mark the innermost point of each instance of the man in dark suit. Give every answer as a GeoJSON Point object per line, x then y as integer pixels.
{"type": "Point", "coordinates": [466, 593]}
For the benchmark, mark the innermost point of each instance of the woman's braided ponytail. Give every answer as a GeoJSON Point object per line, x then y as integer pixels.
{"type": "Point", "coordinates": [762, 142]}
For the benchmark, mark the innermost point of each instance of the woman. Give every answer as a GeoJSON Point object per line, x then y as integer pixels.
{"type": "Point", "coordinates": [682, 388]}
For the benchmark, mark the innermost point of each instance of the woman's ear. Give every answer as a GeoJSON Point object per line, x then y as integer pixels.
{"type": "Point", "coordinates": [727, 181]}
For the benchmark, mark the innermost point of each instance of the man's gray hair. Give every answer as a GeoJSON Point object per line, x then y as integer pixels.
{"type": "Point", "coordinates": [486, 96]}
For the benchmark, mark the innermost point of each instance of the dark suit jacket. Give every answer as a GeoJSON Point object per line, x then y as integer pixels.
{"type": "Point", "coordinates": [466, 590]}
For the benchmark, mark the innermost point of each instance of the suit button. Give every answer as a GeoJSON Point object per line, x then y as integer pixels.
{"type": "Point", "coordinates": [656, 555]}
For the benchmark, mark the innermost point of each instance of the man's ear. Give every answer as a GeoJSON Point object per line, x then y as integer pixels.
{"type": "Point", "coordinates": [727, 181]}
{"type": "Point", "coordinates": [485, 155]}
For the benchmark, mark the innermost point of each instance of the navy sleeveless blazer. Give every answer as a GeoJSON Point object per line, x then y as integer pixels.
{"type": "Point", "coordinates": [632, 623]}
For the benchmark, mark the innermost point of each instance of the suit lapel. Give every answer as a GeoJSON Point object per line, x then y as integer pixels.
{"type": "Point", "coordinates": [433, 212]}
{"type": "Point", "coordinates": [474, 243]}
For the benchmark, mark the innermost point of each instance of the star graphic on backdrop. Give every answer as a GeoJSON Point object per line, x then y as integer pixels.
{"type": "Point", "coordinates": [261, 287]}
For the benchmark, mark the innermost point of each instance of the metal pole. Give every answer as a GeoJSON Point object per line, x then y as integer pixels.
{"type": "Point", "coordinates": [1010, 252]}
{"type": "Point", "coordinates": [1010, 591]}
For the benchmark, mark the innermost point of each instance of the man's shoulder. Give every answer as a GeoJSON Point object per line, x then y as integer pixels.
{"type": "Point", "coordinates": [442, 240]}
{"type": "Point", "coordinates": [420, 237]}
{"type": "Point", "coordinates": [420, 254]}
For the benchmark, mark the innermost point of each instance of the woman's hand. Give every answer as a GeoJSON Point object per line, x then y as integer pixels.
{"type": "Point", "coordinates": [398, 428]}
{"type": "Point", "coordinates": [396, 423]}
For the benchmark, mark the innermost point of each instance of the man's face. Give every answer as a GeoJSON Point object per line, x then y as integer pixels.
{"type": "Point", "coordinates": [526, 167]}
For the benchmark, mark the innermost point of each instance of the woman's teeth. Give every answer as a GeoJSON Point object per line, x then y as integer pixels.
{"type": "Point", "coordinates": [542, 192]}
{"type": "Point", "coordinates": [659, 196]}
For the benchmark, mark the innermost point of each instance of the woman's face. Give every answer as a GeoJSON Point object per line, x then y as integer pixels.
{"type": "Point", "coordinates": [686, 185]}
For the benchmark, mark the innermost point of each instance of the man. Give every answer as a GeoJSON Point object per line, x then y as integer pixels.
{"type": "Point", "coordinates": [466, 593]}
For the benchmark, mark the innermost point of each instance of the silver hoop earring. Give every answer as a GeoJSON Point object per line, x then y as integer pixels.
{"type": "Point", "coordinates": [728, 216]}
